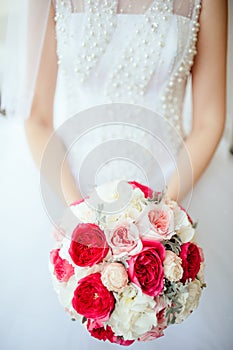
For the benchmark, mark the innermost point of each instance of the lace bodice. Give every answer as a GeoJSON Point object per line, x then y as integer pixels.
{"type": "Point", "coordinates": [138, 52]}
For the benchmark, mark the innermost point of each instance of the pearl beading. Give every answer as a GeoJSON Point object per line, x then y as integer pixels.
{"type": "Point", "coordinates": [98, 29]}
{"type": "Point", "coordinates": [137, 65]}
{"type": "Point", "coordinates": [175, 86]}
{"type": "Point", "coordinates": [63, 11]}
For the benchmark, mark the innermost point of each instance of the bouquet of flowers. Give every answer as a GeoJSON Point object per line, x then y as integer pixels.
{"type": "Point", "coordinates": [128, 275]}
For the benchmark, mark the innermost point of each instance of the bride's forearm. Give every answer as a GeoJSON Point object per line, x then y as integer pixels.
{"type": "Point", "coordinates": [200, 146]}
{"type": "Point", "coordinates": [62, 183]}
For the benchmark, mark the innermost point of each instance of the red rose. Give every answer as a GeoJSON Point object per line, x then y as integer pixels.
{"type": "Point", "coordinates": [98, 331]}
{"type": "Point", "coordinates": [148, 192]}
{"type": "Point", "coordinates": [92, 299]}
{"type": "Point", "coordinates": [191, 261]}
{"type": "Point", "coordinates": [62, 269]}
{"type": "Point", "coordinates": [120, 340]}
{"type": "Point", "coordinates": [88, 246]}
{"type": "Point", "coordinates": [146, 268]}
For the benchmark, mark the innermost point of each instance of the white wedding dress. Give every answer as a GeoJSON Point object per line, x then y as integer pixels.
{"type": "Point", "coordinates": [140, 56]}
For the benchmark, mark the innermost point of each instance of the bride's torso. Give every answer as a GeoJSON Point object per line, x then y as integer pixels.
{"type": "Point", "coordinates": [140, 54]}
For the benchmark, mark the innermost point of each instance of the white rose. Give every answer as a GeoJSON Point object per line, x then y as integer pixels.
{"type": "Point", "coordinates": [183, 226]}
{"type": "Point", "coordinates": [191, 301]}
{"type": "Point", "coordinates": [186, 233]}
{"type": "Point", "coordinates": [180, 217]}
{"type": "Point", "coordinates": [134, 314]}
{"type": "Point", "coordinates": [173, 270]}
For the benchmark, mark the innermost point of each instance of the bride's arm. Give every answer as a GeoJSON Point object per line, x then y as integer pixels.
{"type": "Point", "coordinates": [39, 125]}
{"type": "Point", "coordinates": [209, 95]}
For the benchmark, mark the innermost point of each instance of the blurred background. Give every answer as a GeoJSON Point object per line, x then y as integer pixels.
{"type": "Point", "coordinates": [30, 315]}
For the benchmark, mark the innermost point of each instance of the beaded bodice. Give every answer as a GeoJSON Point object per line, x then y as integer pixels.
{"type": "Point", "coordinates": [141, 57]}
{"type": "Point", "coordinates": [138, 52]}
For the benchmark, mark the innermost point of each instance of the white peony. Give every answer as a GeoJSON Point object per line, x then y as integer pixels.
{"type": "Point", "coordinates": [84, 212]}
{"type": "Point", "coordinates": [134, 314]}
{"type": "Point", "coordinates": [190, 300]}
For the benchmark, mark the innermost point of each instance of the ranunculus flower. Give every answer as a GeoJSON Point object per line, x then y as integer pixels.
{"type": "Point", "coordinates": [146, 268]}
{"type": "Point", "coordinates": [124, 238]}
{"type": "Point", "coordinates": [114, 277]}
{"type": "Point", "coordinates": [92, 299]}
{"type": "Point", "coordinates": [156, 222]}
{"type": "Point", "coordinates": [173, 270]}
{"type": "Point", "coordinates": [191, 260]}
{"type": "Point", "coordinates": [88, 245]}
{"type": "Point", "coordinates": [148, 192]}
{"type": "Point", "coordinates": [62, 269]}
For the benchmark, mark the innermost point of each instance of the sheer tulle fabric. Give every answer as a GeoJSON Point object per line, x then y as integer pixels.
{"type": "Point", "coordinates": [25, 34]}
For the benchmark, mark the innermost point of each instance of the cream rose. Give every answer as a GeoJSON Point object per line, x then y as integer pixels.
{"type": "Point", "coordinates": [114, 276]}
{"type": "Point", "coordinates": [191, 302]}
{"type": "Point", "coordinates": [173, 270]}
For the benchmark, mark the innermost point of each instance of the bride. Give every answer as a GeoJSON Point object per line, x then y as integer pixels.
{"type": "Point", "coordinates": [84, 54]}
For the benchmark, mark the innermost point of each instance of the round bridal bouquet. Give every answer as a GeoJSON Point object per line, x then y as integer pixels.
{"type": "Point", "coordinates": [128, 274]}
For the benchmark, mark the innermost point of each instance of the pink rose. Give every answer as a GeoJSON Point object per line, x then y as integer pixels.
{"type": "Point", "coordinates": [114, 277]}
{"type": "Point", "coordinates": [191, 260]}
{"type": "Point", "coordinates": [162, 222]}
{"type": "Point", "coordinates": [146, 268]}
{"type": "Point", "coordinates": [157, 222]}
{"type": "Point", "coordinates": [124, 238]}
{"type": "Point", "coordinates": [92, 299]}
{"type": "Point", "coordinates": [62, 269]}
{"type": "Point", "coordinates": [148, 192]}
{"type": "Point", "coordinates": [88, 246]}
